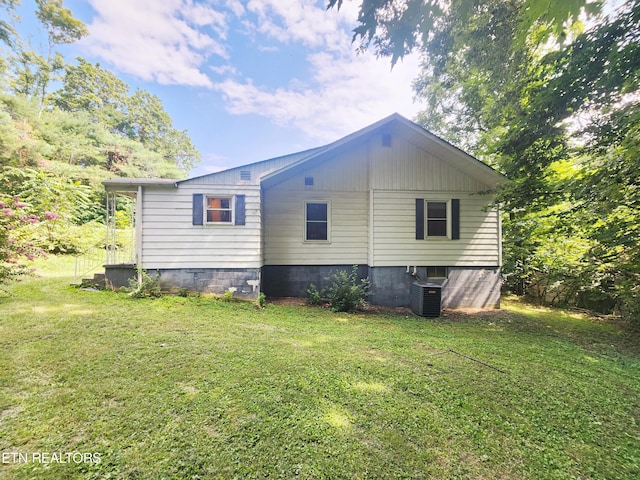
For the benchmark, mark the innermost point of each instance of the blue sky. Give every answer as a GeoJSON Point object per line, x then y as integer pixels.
{"type": "Point", "coordinates": [249, 80]}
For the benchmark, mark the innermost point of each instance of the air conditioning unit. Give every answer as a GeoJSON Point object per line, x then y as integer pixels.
{"type": "Point", "coordinates": [425, 299]}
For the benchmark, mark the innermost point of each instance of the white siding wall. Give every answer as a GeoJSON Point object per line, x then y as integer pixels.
{"type": "Point", "coordinates": [285, 228]}
{"type": "Point", "coordinates": [372, 190]}
{"type": "Point", "coordinates": [394, 230]}
{"type": "Point", "coordinates": [343, 182]}
{"type": "Point", "coordinates": [169, 240]}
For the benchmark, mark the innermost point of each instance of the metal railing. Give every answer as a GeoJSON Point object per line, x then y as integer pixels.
{"type": "Point", "coordinates": [118, 252]}
{"type": "Point", "coordinates": [89, 261]}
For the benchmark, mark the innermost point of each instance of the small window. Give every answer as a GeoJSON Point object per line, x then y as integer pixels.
{"type": "Point", "coordinates": [436, 219]}
{"type": "Point", "coordinates": [386, 139]}
{"type": "Point", "coordinates": [317, 221]}
{"type": "Point", "coordinates": [219, 210]}
{"type": "Point", "coordinates": [436, 272]}
{"type": "Point", "coordinates": [245, 174]}
{"type": "Point", "coordinates": [308, 181]}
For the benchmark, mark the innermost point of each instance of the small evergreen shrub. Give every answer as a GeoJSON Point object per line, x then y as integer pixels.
{"type": "Point", "coordinates": [346, 293]}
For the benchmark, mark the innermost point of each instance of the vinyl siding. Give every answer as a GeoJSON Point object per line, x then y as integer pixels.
{"type": "Point", "coordinates": [256, 171]}
{"type": "Point", "coordinates": [394, 232]}
{"type": "Point", "coordinates": [285, 228]}
{"type": "Point", "coordinates": [169, 240]}
{"type": "Point", "coordinates": [406, 166]}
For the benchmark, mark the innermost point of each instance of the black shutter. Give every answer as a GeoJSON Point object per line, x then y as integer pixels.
{"type": "Point", "coordinates": [198, 205]}
{"type": "Point", "coordinates": [455, 219]}
{"type": "Point", "coordinates": [419, 219]}
{"type": "Point", "coordinates": [240, 210]}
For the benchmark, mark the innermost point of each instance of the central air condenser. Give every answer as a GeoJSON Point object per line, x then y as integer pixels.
{"type": "Point", "coordinates": [426, 299]}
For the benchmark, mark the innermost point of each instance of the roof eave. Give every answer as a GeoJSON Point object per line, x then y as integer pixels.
{"type": "Point", "coordinates": [132, 184]}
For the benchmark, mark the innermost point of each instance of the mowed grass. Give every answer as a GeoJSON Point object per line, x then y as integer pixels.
{"type": "Point", "coordinates": [201, 388]}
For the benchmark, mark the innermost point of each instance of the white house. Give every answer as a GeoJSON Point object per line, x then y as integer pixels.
{"type": "Point", "coordinates": [392, 198]}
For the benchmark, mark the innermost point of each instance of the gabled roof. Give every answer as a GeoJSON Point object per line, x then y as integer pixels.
{"type": "Point", "coordinates": [419, 135]}
{"type": "Point", "coordinates": [263, 167]}
{"type": "Point", "coordinates": [274, 170]}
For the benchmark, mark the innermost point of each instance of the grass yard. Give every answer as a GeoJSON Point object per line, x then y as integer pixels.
{"type": "Point", "coordinates": [201, 388]}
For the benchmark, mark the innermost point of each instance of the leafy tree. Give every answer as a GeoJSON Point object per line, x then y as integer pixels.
{"type": "Point", "coordinates": [57, 147]}
{"type": "Point", "coordinates": [397, 27]}
{"type": "Point", "coordinates": [91, 89]}
{"type": "Point", "coordinates": [7, 32]}
{"type": "Point", "coordinates": [148, 122]}
{"type": "Point", "coordinates": [140, 116]}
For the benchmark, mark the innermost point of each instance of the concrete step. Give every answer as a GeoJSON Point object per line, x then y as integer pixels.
{"type": "Point", "coordinates": [98, 281]}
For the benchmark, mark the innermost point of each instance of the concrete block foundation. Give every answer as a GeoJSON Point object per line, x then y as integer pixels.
{"type": "Point", "coordinates": [243, 282]}
{"type": "Point", "coordinates": [464, 287]}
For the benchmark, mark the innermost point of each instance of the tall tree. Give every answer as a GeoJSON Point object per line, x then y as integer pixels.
{"type": "Point", "coordinates": [90, 88]}
{"type": "Point", "coordinates": [396, 27]}
{"type": "Point", "coordinates": [61, 27]}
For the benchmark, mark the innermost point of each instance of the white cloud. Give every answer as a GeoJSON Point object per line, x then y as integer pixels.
{"type": "Point", "coordinates": [190, 42]}
{"type": "Point", "coordinates": [302, 21]}
{"type": "Point", "coordinates": [162, 41]}
{"type": "Point", "coordinates": [346, 93]}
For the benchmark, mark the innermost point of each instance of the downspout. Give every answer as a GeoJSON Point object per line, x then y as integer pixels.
{"type": "Point", "coordinates": [139, 234]}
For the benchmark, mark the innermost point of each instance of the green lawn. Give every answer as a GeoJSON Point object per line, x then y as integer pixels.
{"type": "Point", "coordinates": [201, 388]}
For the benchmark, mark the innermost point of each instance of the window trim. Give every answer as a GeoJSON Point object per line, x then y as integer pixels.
{"type": "Point", "coordinates": [453, 219]}
{"type": "Point", "coordinates": [232, 209]}
{"type": "Point", "coordinates": [304, 229]}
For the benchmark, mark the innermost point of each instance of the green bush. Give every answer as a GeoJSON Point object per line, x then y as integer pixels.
{"type": "Point", "coordinates": [149, 287]}
{"type": "Point", "coordinates": [313, 295]}
{"type": "Point", "coordinates": [261, 301]}
{"type": "Point", "coordinates": [346, 293]}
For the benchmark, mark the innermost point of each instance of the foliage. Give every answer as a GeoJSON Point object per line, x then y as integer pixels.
{"type": "Point", "coordinates": [56, 147]}
{"type": "Point", "coordinates": [198, 388]}
{"type": "Point", "coordinates": [397, 27]}
{"type": "Point", "coordinates": [346, 292]}
{"type": "Point", "coordinates": [313, 295]}
{"type": "Point", "coordinates": [145, 286]}
{"type": "Point", "coordinates": [140, 117]}
{"type": "Point", "coordinates": [65, 203]}
{"type": "Point", "coordinates": [15, 215]}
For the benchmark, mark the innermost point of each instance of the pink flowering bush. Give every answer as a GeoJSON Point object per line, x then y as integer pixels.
{"type": "Point", "coordinates": [14, 251]}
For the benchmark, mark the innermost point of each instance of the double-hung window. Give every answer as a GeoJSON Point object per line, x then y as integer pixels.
{"type": "Point", "coordinates": [437, 219]}
{"type": "Point", "coordinates": [219, 209]}
{"type": "Point", "coordinates": [216, 209]}
{"type": "Point", "coordinates": [316, 221]}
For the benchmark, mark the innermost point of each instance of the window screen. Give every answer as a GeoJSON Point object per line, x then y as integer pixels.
{"type": "Point", "coordinates": [317, 221]}
{"type": "Point", "coordinates": [219, 210]}
{"type": "Point", "coordinates": [436, 219]}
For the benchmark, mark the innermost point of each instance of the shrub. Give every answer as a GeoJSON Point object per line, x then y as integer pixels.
{"type": "Point", "coordinates": [15, 246]}
{"type": "Point", "coordinates": [346, 293]}
{"type": "Point", "coordinates": [313, 295]}
{"type": "Point", "coordinates": [149, 287]}
{"type": "Point", "coordinates": [261, 302]}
